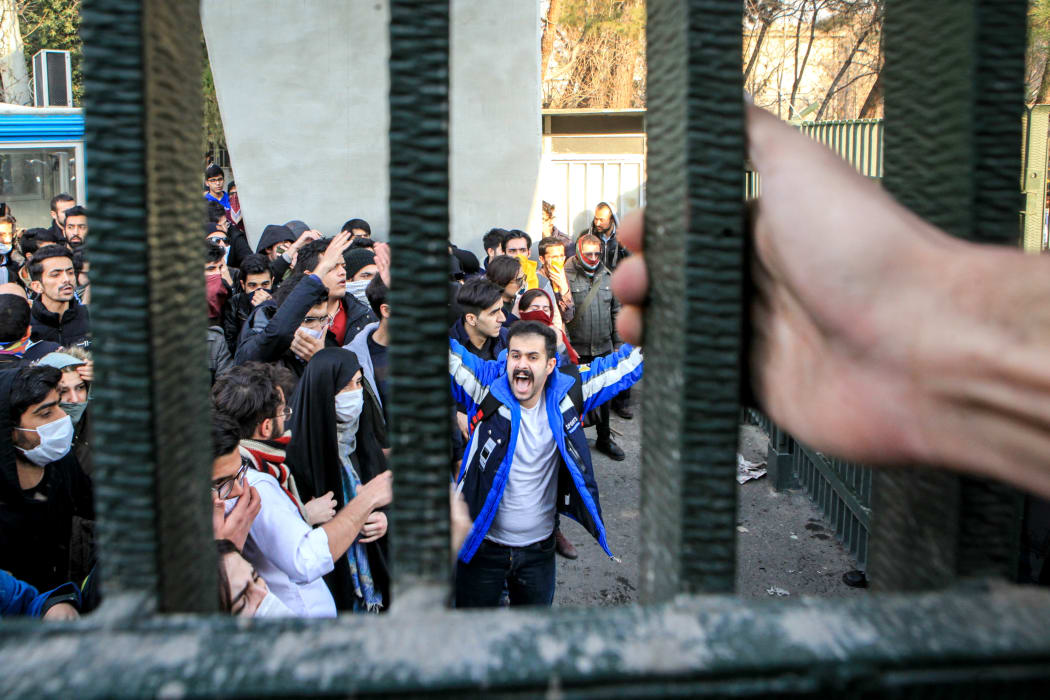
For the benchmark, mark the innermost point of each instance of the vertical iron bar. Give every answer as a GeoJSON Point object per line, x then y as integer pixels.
{"type": "Point", "coordinates": [142, 131]}
{"type": "Point", "coordinates": [419, 182]}
{"type": "Point", "coordinates": [952, 158]}
{"type": "Point", "coordinates": [695, 253]}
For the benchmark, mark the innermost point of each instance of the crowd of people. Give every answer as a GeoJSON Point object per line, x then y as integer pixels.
{"type": "Point", "coordinates": [298, 339]}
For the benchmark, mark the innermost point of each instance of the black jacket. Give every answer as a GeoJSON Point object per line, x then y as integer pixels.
{"type": "Point", "coordinates": [235, 312]}
{"type": "Point", "coordinates": [34, 533]}
{"type": "Point", "coordinates": [267, 334]}
{"type": "Point", "coordinates": [73, 328]}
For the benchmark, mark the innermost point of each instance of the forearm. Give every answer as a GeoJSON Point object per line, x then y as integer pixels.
{"type": "Point", "coordinates": [344, 528]}
{"type": "Point", "coordinates": [986, 384]}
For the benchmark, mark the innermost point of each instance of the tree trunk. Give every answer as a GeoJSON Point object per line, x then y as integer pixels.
{"type": "Point", "coordinates": [758, 48]}
{"type": "Point", "coordinates": [842, 72]}
{"type": "Point", "coordinates": [799, 70]}
{"type": "Point", "coordinates": [547, 41]}
{"type": "Point", "coordinates": [870, 108]}
{"type": "Point", "coordinates": [14, 80]}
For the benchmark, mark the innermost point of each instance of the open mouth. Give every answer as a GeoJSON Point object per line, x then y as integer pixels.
{"type": "Point", "coordinates": [65, 289]}
{"type": "Point", "coordinates": [522, 381]}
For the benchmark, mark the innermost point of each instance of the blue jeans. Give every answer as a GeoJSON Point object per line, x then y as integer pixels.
{"type": "Point", "coordinates": [528, 573]}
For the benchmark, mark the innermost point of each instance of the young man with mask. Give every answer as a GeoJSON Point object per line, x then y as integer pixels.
{"type": "Point", "coordinates": [42, 485]}
{"type": "Point", "coordinates": [281, 246]}
{"type": "Point", "coordinates": [284, 546]}
{"type": "Point", "coordinates": [527, 459]}
{"type": "Point", "coordinates": [60, 203]}
{"type": "Point", "coordinates": [360, 270]}
{"type": "Point", "coordinates": [593, 328]}
{"type": "Point", "coordinates": [76, 226]}
{"type": "Point", "coordinates": [73, 394]}
{"type": "Point", "coordinates": [372, 343]}
{"type": "Point", "coordinates": [296, 327]}
{"type": "Point", "coordinates": [57, 315]}
{"type": "Point", "coordinates": [349, 316]}
{"type": "Point", "coordinates": [254, 288]}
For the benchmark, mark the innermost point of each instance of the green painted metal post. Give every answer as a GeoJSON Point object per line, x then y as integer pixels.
{"type": "Point", "coordinates": [695, 252]}
{"type": "Point", "coordinates": [420, 406]}
{"type": "Point", "coordinates": [151, 451]}
{"type": "Point", "coordinates": [1033, 176]}
{"type": "Point", "coordinates": [952, 156]}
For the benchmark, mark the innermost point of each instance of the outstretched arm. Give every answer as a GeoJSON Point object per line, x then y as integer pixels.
{"type": "Point", "coordinates": [876, 336]}
{"type": "Point", "coordinates": [610, 374]}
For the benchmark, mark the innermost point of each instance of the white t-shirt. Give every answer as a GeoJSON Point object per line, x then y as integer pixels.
{"type": "Point", "coordinates": [526, 513]}
{"type": "Point", "coordinates": [291, 556]}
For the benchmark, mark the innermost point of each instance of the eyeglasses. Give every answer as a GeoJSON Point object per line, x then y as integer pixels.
{"type": "Point", "coordinates": [313, 322]}
{"type": "Point", "coordinates": [224, 487]}
{"type": "Point", "coordinates": [215, 179]}
{"type": "Point", "coordinates": [285, 413]}
{"type": "Point", "coordinates": [521, 281]}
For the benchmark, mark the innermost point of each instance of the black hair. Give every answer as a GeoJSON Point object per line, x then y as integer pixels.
{"type": "Point", "coordinates": [60, 197]}
{"type": "Point", "coordinates": [78, 259]}
{"type": "Point", "coordinates": [548, 243]}
{"type": "Point", "coordinates": [310, 254]}
{"type": "Point", "coordinates": [231, 184]}
{"type": "Point", "coordinates": [224, 548]}
{"type": "Point", "coordinates": [286, 288]}
{"type": "Point", "coordinates": [535, 328]}
{"type": "Point", "coordinates": [36, 266]}
{"type": "Point", "coordinates": [225, 434]}
{"type": "Point", "coordinates": [247, 394]}
{"type": "Point", "coordinates": [357, 223]}
{"type": "Point", "coordinates": [29, 241]}
{"type": "Point", "coordinates": [361, 242]}
{"type": "Point", "coordinates": [517, 233]}
{"type": "Point", "coordinates": [14, 318]}
{"type": "Point", "coordinates": [478, 294]}
{"type": "Point", "coordinates": [502, 270]}
{"type": "Point", "coordinates": [215, 211]}
{"type": "Point", "coordinates": [76, 211]}
{"type": "Point", "coordinates": [213, 171]}
{"type": "Point", "coordinates": [31, 386]}
{"type": "Point", "coordinates": [377, 292]}
{"type": "Point", "coordinates": [254, 264]}
{"type": "Point", "coordinates": [283, 378]}
{"type": "Point", "coordinates": [494, 238]}
{"type": "Point", "coordinates": [213, 252]}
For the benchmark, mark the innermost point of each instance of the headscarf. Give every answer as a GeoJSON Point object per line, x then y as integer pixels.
{"type": "Point", "coordinates": [313, 455]}
{"type": "Point", "coordinates": [545, 318]}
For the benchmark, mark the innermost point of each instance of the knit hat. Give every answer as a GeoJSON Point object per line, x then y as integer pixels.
{"type": "Point", "coordinates": [356, 258]}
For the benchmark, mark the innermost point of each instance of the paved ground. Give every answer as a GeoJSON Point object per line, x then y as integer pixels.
{"type": "Point", "coordinates": [782, 541]}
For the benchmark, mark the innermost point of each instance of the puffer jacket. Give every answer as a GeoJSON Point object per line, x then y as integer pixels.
{"type": "Point", "coordinates": [592, 331]}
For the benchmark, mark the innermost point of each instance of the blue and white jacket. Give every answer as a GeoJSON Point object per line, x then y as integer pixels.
{"type": "Point", "coordinates": [490, 449]}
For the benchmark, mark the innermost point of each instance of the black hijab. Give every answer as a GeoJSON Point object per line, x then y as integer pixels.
{"type": "Point", "coordinates": [313, 458]}
{"type": "Point", "coordinates": [313, 451]}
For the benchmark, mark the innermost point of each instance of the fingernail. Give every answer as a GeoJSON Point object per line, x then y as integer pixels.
{"type": "Point", "coordinates": [748, 98]}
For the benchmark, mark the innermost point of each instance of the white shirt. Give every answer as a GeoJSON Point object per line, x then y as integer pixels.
{"type": "Point", "coordinates": [526, 513]}
{"type": "Point", "coordinates": [291, 556]}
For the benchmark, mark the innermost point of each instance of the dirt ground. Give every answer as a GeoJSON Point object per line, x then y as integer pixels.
{"type": "Point", "coordinates": [783, 543]}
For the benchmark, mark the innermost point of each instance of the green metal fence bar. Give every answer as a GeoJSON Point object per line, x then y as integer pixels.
{"type": "Point", "coordinates": [962, 125]}
{"type": "Point", "coordinates": [1033, 175]}
{"type": "Point", "coordinates": [696, 258]}
{"type": "Point", "coordinates": [420, 403]}
{"type": "Point", "coordinates": [141, 90]}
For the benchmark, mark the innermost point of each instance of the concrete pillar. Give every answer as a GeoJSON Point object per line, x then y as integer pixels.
{"type": "Point", "coordinates": [303, 88]}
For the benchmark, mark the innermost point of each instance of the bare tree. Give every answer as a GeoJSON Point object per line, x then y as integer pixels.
{"type": "Point", "coordinates": [14, 78]}
{"type": "Point", "coordinates": [547, 41]}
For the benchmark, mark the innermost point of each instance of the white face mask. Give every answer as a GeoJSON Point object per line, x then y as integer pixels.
{"type": "Point", "coordinates": [4, 249]}
{"type": "Point", "coordinates": [358, 290]}
{"type": "Point", "coordinates": [313, 333]}
{"type": "Point", "coordinates": [56, 438]}
{"type": "Point", "coordinates": [348, 405]}
{"type": "Point", "coordinates": [271, 606]}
